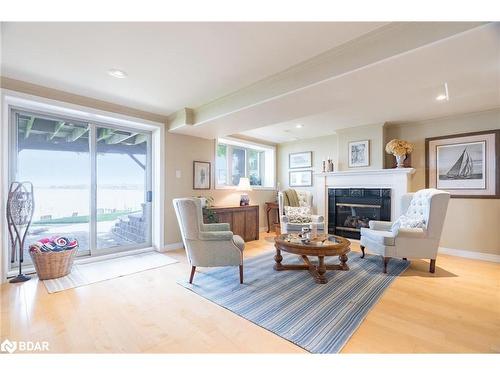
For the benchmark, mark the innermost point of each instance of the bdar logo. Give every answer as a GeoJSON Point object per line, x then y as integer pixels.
{"type": "Point", "coordinates": [8, 346]}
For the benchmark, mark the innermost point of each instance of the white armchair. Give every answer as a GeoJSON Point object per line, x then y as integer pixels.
{"type": "Point", "coordinates": [415, 234]}
{"type": "Point", "coordinates": [305, 200]}
{"type": "Point", "coordinates": [207, 245]}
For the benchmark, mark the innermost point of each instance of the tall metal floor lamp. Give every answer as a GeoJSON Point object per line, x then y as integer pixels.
{"type": "Point", "coordinates": [20, 207]}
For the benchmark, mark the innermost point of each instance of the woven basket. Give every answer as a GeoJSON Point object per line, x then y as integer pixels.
{"type": "Point", "coordinates": [53, 264]}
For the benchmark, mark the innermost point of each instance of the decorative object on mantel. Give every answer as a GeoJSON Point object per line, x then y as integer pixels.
{"type": "Point", "coordinates": [359, 154]}
{"type": "Point", "coordinates": [300, 160]}
{"type": "Point", "coordinates": [201, 175]}
{"type": "Point", "coordinates": [466, 165]}
{"type": "Point", "coordinates": [20, 207]}
{"type": "Point", "coordinates": [244, 187]}
{"type": "Point", "coordinates": [400, 149]}
{"type": "Point", "coordinates": [328, 165]}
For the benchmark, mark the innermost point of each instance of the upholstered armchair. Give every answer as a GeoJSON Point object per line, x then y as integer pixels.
{"type": "Point", "coordinates": [207, 245]}
{"type": "Point", "coordinates": [305, 199]}
{"type": "Point", "coordinates": [415, 234]}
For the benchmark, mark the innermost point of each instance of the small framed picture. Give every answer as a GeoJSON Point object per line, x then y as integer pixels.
{"type": "Point", "coordinates": [201, 175]}
{"type": "Point", "coordinates": [300, 178]}
{"type": "Point", "coordinates": [359, 154]}
{"type": "Point", "coordinates": [466, 165]}
{"type": "Point", "coordinates": [300, 160]}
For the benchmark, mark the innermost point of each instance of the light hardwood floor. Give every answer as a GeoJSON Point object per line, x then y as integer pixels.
{"type": "Point", "coordinates": [455, 310]}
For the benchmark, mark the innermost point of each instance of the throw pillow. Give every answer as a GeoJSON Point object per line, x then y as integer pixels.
{"type": "Point", "coordinates": [407, 222]}
{"type": "Point", "coordinates": [413, 218]}
{"type": "Point", "coordinates": [298, 215]}
{"type": "Point", "coordinates": [291, 198]}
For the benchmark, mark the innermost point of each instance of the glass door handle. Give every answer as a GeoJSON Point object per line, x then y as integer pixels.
{"type": "Point", "coordinates": [149, 196]}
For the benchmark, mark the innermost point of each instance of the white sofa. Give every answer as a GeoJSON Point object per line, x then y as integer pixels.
{"type": "Point", "coordinates": [305, 199]}
{"type": "Point", "coordinates": [207, 245]}
{"type": "Point", "coordinates": [429, 206]}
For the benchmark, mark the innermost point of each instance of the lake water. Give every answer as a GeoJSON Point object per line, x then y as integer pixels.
{"type": "Point", "coordinates": [63, 202]}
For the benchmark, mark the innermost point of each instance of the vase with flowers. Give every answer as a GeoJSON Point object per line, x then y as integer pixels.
{"type": "Point", "coordinates": [400, 149]}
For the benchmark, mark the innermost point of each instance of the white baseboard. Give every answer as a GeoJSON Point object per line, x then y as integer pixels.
{"type": "Point", "coordinates": [462, 253]}
{"type": "Point", "coordinates": [264, 229]}
{"type": "Point", "coordinates": [172, 246]}
{"type": "Point", "coordinates": [470, 254]}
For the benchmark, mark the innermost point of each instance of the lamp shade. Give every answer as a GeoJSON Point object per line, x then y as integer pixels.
{"type": "Point", "coordinates": [244, 184]}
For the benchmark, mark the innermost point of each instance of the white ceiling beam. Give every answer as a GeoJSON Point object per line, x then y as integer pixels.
{"type": "Point", "coordinates": [380, 45]}
{"type": "Point", "coordinates": [184, 117]}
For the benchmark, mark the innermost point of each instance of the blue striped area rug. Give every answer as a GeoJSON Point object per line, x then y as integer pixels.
{"type": "Point", "coordinates": [318, 318]}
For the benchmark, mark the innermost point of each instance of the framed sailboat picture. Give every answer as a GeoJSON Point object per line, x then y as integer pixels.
{"type": "Point", "coordinates": [466, 165]}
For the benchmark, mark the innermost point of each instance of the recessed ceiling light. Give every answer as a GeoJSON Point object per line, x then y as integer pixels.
{"type": "Point", "coordinates": [298, 126]}
{"type": "Point", "coordinates": [117, 73]}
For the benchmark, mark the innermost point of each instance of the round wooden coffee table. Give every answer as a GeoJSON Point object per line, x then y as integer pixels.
{"type": "Point", "coordinates": [321, 247]}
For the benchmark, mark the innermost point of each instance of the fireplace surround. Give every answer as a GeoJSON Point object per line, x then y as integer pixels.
{"type": "Point", "coordinates": [350, 209]}
{"type": "Point", "coordinates": [396, 179]}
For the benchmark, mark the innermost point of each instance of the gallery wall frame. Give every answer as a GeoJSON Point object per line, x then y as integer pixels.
{"type": "Point", "coordinates": [467, 165]}
{"type": "Point", "coordinates": [298, 160]}
{"type": "Point", "coordinates": [202, 175]}
{"type": "Point", "coordinates": [300, 178]}
{"type": "Point", "coordinates": [358, 154]}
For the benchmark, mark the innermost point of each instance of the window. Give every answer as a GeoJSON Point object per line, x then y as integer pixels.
{"type": "Point", "coordinates": [236, 158]}
{"type": "Point", "coordinates": [91, 182]}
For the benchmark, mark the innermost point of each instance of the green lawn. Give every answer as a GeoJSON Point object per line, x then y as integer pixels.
{"type": "Point", "coordinates": [84, 219]}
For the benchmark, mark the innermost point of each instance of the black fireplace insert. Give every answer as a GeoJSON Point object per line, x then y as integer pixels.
{"type": "Point", "coordinates": [349, 210]}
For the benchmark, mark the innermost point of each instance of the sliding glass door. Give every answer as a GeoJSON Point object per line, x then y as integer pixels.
{"type": "Point", "coordinates": [91, 182]}
{"type": "Point", "coordinates": [123, 209]}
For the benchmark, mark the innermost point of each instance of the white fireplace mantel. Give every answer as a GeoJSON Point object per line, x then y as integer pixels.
{"type": "Point", "coordinates": [396, 179]}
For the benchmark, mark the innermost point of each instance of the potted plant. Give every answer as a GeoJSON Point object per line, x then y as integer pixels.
{"type": "Point", "coordinates": [208, 213]}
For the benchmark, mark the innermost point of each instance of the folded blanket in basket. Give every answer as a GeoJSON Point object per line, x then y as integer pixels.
{"type": "Point", "coordinates": [55, 243]}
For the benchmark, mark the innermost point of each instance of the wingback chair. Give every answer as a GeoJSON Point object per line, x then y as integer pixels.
{"type": "Point", "coordinates": [305, 200]}
{"type": "Point", "coordinates": [207, 245]}
{"type": "Point", "coordinates": [415, 234]}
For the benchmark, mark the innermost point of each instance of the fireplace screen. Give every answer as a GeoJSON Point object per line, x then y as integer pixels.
{"type": "Point", "coordinates": [349, 210]}
{"type": "Point", "coordinates": [355, 216]}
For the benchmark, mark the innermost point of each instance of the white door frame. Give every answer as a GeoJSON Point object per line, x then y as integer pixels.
{"type": "Point", "coordinates": [11, 98]}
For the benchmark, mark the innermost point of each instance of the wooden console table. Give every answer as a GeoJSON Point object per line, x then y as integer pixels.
{"type": "Point", "coordinates": [243, 220]}
{"type": "Point", "coordinates": [269, 207]}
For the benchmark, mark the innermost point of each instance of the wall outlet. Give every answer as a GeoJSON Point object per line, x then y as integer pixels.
{"type": "Point", "coordinates": [177, 174]}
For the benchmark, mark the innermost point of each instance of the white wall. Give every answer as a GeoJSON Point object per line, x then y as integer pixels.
{"type": "Point", "coordinates": [321, 147]}
{"type": "Point", "coordinates": [471, 224]}
{"type": "Point", "coordinates": [181, 151]}
{"type": "Point", "coordinates": [335, 146]}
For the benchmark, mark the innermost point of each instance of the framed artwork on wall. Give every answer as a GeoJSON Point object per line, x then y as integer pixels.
{"type": "Point", "coordinates": [359, 154]}
{"type": "Point", "coordinates": [300, 178]}
{"type": "Point", "coordinates": [201, 175]}
{"type": "Point", "coordinates": [300, 160]}
{"type": "Point", "coordinates": [466, 165]}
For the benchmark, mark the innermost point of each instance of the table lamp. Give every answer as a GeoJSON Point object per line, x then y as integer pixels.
{"type": "Point", "coordinates": [244, 186]}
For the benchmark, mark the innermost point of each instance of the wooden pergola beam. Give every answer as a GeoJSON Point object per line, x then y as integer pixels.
{"type": "Point", "coordinates": [117, 138]}
{"type": "Point", "coordinates": [104, 133]}
{"type": "Point", "coordinates": [57, 129]}
{"type": "Point", "coordinates": [77, 133]}
{"type": "Point", "coordinates": [140, 138]}
{"type": "Point", "coordinates": [29, 126]}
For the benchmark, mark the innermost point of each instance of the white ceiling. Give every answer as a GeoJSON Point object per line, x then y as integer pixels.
{"type": "Point", "coordinates": [398, 90]}
{"type": "Point", "coordinates": [170, 65]}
